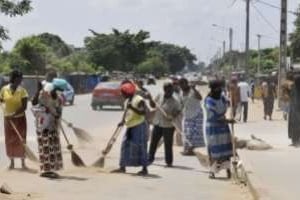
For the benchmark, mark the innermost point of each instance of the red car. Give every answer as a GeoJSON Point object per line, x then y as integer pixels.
{"type": "Point", "coordinates": [107, 93]}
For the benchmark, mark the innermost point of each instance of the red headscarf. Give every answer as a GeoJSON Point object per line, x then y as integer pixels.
{"type": "Point", "coordinates": [128, 88]}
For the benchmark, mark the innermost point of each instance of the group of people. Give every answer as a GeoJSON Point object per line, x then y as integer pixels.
{"type": "Point", "coordinates": [178, 100]}
{"type": "Point", "coordinates": [177, 109]}
{"type": "Point", "coordinates": [47, 109]}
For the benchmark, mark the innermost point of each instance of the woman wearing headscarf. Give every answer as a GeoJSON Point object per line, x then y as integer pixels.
{"type": "Point", "coordinates": [14, 97]}
{"type": "Point", "coordinates": [192, 117]}
{"type": "Point", "coordinates": [134, 145]}
{"type": "Point", "coordinates": [218, 134]}
{"type": "Point", "coordinates": [47, 110]}
{"type": "Point", "coordinates": [268, 96]}
{"type": "Point", "coordinates": [294, 114]}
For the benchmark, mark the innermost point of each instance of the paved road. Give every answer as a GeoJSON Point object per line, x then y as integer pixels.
{"type": "Point", "coordinates": [187, 180]}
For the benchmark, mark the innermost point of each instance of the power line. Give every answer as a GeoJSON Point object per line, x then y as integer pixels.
{"type": "Point", "coordinates": [276, 7]}
{"type": "Point", "coordinates": [264, 18]}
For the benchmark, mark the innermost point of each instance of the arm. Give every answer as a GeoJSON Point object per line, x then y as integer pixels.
{"type": "Point", "coordinates": [141, 110]}
{"type": "Point", "coordinates": [197, 93]}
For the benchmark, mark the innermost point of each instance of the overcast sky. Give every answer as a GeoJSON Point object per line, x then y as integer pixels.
{"type": "Point", "coordinates": [183, 22]}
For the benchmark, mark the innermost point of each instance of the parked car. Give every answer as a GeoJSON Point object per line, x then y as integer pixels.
{"type": "Point", "coordinates": [69, 94]}
{"type": "Point", "coordinates": [107, 93]}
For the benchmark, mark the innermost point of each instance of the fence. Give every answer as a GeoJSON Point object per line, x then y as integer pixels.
{"type": "Point", "coordinates": [82, 84]}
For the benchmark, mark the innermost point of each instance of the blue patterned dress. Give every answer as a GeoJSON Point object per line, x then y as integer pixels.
{"type": "Point", "coordinates": [218, 134]}
{"type": "Point", "coordinates": [192, 121]}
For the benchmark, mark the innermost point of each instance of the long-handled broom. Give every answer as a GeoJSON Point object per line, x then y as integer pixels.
{"type": "Point", "coordinates": [81, 134]}
{"type": "Point", "coordinates": [76, 160]}
{"type": "Point", "coordinates": [28, 152]}
{"type": "Point", "coordinates": [100, 162]}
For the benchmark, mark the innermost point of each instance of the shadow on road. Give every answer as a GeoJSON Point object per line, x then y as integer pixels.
{"type": "Point", "coordinates": [176, 167]}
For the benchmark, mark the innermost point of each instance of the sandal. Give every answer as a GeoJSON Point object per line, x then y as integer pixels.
{"type": "Point", "coordinates": [211, 175]}
{"type": "Point", "coordinates": [143, 173]}
{"type": "Point", "coordinates": [119, 171]}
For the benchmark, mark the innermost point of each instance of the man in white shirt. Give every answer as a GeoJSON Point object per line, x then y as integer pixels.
{"type": "Point", "coordinates": [245, 94]}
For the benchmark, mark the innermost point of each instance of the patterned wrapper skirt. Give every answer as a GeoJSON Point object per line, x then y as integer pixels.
{"type": "Point", "coordinates": [193, 131]}
{"type": "Point", "coordinates": [134, 147]}
{"type": "Point", "coordinates": [14, 147]}
{"type": "Point", "coordinates": [49, 151]}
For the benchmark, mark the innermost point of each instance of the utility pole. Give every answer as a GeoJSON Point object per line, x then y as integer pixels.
{"type": "Point", "coordinates": [283, 46]}
{"type": "Point", "coordinates": [230, 39]}
{"type": "Point", "coordinates": [259, 55]}
{"type": "Point", "coordinates": [247, 36]}
{"type": "Point", "coordinates": [224, 48]}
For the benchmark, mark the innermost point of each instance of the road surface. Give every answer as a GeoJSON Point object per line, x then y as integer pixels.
{"type": "Point", "coordinates": [187, 180]}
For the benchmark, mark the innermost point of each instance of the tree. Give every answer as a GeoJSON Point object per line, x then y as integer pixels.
{"type": "Point", "coordinates": [117, 50]}
{"type": "Point", "coordinates": [154, 65]}
{"type": "Point", "coordinates": [295, 39]}
{"type": "Point", "coordinates": [12, 9]}
{"type": "Point", "coordinates": [56, 44]}
{"type": "Point", "coordinates": [175, 56]}
{"type": "Point", "coordinates": [34, 53]}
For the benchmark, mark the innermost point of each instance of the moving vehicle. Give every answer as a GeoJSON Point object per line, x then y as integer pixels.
{"type": "Point", "coordinates": [107, 93]}
{"type": "Point", "coordinates": [69, 94]}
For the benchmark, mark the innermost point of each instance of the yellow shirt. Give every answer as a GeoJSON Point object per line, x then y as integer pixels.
{"type": "Point", "coordinates": [132, 118]}
{"type": "Point", "coordinates": [13, 102]}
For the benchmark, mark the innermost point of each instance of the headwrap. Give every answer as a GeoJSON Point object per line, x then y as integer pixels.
{"type": "Point", "coordinates": [128, 88]}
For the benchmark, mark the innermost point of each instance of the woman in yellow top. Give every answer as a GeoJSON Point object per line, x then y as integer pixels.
{"type": "Point", "coordinates": [134, 145]}
{"type": "Point", "coordinates": [14, 98]}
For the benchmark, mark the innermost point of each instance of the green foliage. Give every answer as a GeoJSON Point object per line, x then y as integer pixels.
{"type": "Point", "coordinates": [33, 52]}
{"type": "Point", "coordinates": [57, 45]}
{"type": "Point", "coordinates": [176, 57]}
{"type": "Point", "coordinates": [12, 9]}
{"type": "Point", "coordinates": [295, 39]}
{"type": "Point", "coordinates": [117, 50]}
{"type": "Point", "coordinates": [152, 65]}
{"type": "Point", "coordinates": [123, 51]}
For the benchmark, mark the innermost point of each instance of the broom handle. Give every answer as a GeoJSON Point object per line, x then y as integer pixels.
{"type": "Point", "coordinates": [173, 123]}
{"type": "Point", "coordinates": [232, 131]}
{"type": "Point", "coordinates": [14, 127]}
{"type": "Point", "coordinates": [16, 130]}
{"type": "Point", "coordinates": [63, 132]}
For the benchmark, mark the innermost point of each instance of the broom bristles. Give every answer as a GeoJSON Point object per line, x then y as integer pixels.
{"type": "Point", "coordinates": [29, 154]}
{"type": "Point", "coordinates": [82, 135]}
{"type": "Point", "coordinates": [100, 162]}
{"type": "Point", "coordinates": [76, 160]}
{"type": "Point", "coordinates": [203, 159]}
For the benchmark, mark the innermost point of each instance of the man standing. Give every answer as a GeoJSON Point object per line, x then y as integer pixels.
{"type": "Point", "coordinates": [245, 94]}
{"type": "Point", "coordinates": [163, 126]}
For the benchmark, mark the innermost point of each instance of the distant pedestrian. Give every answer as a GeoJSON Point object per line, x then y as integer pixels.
{"type": "Point", "coordinates": [134, 144]}
{"type": "Point", "coordinates": [234, 95]}
{"type": "Point", "coordinates": [294, 114]}
{"type": "Point", "coordinates": [268, 96]}
{"type": "Point", "coordinates": [244, 97]}
{"type": "Point", "coordinates": [192, 117]}
{"type": "Point", "coordinates": [285, 96]}
{"type": "Point", "coordinates": [218, 134]}
{"type": "Point", "coordinates": [15, 98]}
{"type": "Point", "coordinates": [163, 125]}
{"type": "Point", "coordinates": [252, 88]}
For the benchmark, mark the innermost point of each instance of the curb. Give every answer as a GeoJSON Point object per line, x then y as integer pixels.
{"type": "Point", "coordinates": [245, 179]}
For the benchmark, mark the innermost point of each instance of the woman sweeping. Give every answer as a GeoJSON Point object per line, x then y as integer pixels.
{"type": "Point", "coordinates": [14, 98]}
{"type": "Point", "coordinates": [218, 134]}
{"type": "Point", "coordinates": [47, 110]}
{"type": "Point", "coordinates": [294, 114]}
{"type": "Point", "coordinates": [134, 145]}
{"type": "Point", "coordinates": [192, 117]}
